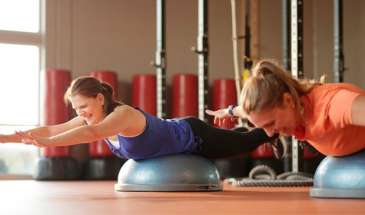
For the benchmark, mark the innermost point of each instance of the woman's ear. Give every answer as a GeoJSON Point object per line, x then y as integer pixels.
{"type": "Point", "coordinates": [100, 97]}
{"type": "Point", "coordinates": [288, 100]}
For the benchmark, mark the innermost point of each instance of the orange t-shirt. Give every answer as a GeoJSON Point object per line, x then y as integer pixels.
{"type": "Point", "coordinates": [328, 122]}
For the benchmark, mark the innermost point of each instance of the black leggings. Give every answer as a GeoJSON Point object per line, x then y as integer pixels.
{"type": "Point", "coordinates": [220, 143]}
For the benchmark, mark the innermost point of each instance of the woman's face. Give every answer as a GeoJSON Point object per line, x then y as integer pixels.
{"type": "Point", "coordinates": [89, 108]}
{"type": "Point", "coordinates": [283, 119]}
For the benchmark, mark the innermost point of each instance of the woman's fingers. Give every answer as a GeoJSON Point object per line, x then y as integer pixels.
{"type": "Point", "coordinates": [27, 138]}
{"type": "Point", "coordinates": [209, 112]}
{"type": "Point", "coordinates": [219, 121]}
{"type": "Point", "coordinates": [217, 113]}
{"type": "Point", "coordinates": [21, 134]}
{"type": "Point", "coordinates": [220, 116]}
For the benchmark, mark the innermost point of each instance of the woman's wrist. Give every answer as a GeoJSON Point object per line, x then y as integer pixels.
{"type": "Point", "coordinates": [6, 139]}
{"type": "Point", "coordinates": [230, 110]}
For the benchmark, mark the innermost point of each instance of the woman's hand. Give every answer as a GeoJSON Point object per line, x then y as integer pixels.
{"type": "Point", "coordinates": [9, 138]}
{"type": "Point", "coordinates": [220, 116]}
{"type": "Point", "coordinates": [29, 138]}
{"type": "Point", "coordinates": [3, 138]}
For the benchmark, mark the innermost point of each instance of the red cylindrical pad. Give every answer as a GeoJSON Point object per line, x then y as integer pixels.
{"type": "Point", "coordinates": [56, 111]}
{"type": "Point", "coordinates": [144, 92]}
{"type": "Point", "coordinates": [99, 148]}
{"type": "Point", "coordinates": [224, 94]}
{"type": "Point", "coordinates": [184, 95]}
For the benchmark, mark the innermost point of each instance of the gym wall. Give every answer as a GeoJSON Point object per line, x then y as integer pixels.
{"type": "Point", "coordinates": [119, 35]}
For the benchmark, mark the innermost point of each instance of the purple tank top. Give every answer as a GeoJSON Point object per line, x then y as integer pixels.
{"type": "Point", "coordinates": [160, 137]}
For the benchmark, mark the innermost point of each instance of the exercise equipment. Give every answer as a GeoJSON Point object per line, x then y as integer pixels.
{"type": "Point", "coordinates": [233, 167]}
{"type": "Point", "coordinates": [265, 176]}
{"type": "Point", "coordinates": [99, 148]}
{"type": "Point", "coordinates": [264, 155]}
{"type": "Point", "coordinates": [311, 158]}
{"type": "Point", "coordinates": [182, 172]}
{"type": "Point", "coordinates": [224, 94]}
{"type": "Point", "coordinates": [293, 61]}
{"type": "Point", "coordinates": [3, 167]}
{"type": "Point", "coordinates": [296, 63]}
{"type": "Point", "coordinates": [235, 38]}
{"type": "Point", "coordinates": [340, 177]}
{"type": "Point", "coordinates": [56, 163]}
{"type": "Point", "coordinates": [184, 95]}
{"type": "Point", "coordinates": [144, 92]}
{"type": "Point", "coordinates": [102, 165]}
{"type": "Point", "coordinates": [202, 51]}
{"type": "Point", "coordinates": [339, 56]}
{"type": "Point", "coordinates": [160, 59]}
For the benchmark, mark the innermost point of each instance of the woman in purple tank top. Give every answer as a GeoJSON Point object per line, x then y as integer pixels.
{"type": "Point", "coordinates": [132, 133]}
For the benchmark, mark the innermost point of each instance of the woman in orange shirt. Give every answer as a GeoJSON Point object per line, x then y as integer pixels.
{"type": "Point", "coordinates": [331, 116]}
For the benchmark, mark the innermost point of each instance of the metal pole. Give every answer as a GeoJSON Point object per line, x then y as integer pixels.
{"type": "Point", "coordinates": [296, 66]}
{"type": "Point", "coordinates": [202, 51]}
{"type": "Point", "coordinates": [339, 59]}
{"type": "Point", "coordinates": [235, 38]}
{"type": "Point", "coordinates": [247, 61]}
{"type": "Point", "coordinates": [288, 163]}
{"type": "Point", "coordinates": [286, 35]}
{"type": "Point", "coordinates": [160, 60]}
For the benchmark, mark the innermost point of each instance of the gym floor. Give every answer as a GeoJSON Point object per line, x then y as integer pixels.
{"type": "Point", "coordinates": [98, 197]}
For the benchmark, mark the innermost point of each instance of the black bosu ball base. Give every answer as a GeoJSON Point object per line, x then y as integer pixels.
{"type": "Point", "coordinates": [57, 168]}
{"type": "Point", "coordinates": [234, 167]}
{"type": "Point", "coordinates": [104, 168]}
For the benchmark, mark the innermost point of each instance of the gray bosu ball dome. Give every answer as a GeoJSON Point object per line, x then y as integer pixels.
{"type": "Point", "coordinates": [169, 173]}
{"type": "Point", "coordinates": [340, 177]}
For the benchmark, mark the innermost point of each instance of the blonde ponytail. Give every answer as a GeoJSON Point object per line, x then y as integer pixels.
{"type": "Point", "coordinates": [267, 85]}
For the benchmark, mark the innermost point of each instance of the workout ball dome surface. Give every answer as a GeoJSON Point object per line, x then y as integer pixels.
{"type": "Point", "coordinates": [169, 173]}
{"type": "Point", "coordinates": [340, 177]}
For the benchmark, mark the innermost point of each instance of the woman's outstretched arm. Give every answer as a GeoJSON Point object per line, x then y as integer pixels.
{"type": "Point", "coordinates": [229, 113]}
{"type": "Point", "coordinates": [123, 120]}
{"type": "Point", "coordinates": [43, 131]}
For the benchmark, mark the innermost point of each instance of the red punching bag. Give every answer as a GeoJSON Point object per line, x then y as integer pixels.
{"type": "Point", "coordinates": [99, 148]}
{"type": "Point", "coordinates": [56, 111]}
{"type": "Point", "coordinates": [144, 92]}
{"type": "Point", "coordinates": [307, 154]}
{"type": "Point", "coordinates": [263, 151]}
{"type": "Point", "coordinates": [108, 77]}
{"type": "Point", "coordinates": [224, 94]}
{"type": "Point", "coordinates": [184, 95]}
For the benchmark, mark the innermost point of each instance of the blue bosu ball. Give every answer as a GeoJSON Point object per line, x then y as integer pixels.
{"type": "Point", "coordinates": [340, 177]}
{"type": "Point", "coordinates": [182, 172]}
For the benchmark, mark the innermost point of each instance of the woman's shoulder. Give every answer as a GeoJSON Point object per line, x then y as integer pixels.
{"type": "Point", "coordinates": [322, 91]}
{"type": "Point", "coordinates": [123, 108]}
{"type": "Point", "coordinates": [126, 111]}
{"type": "Point", "coordinates": [336, 87]}
{"type": "Point", "coordinates": [323, 95]}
